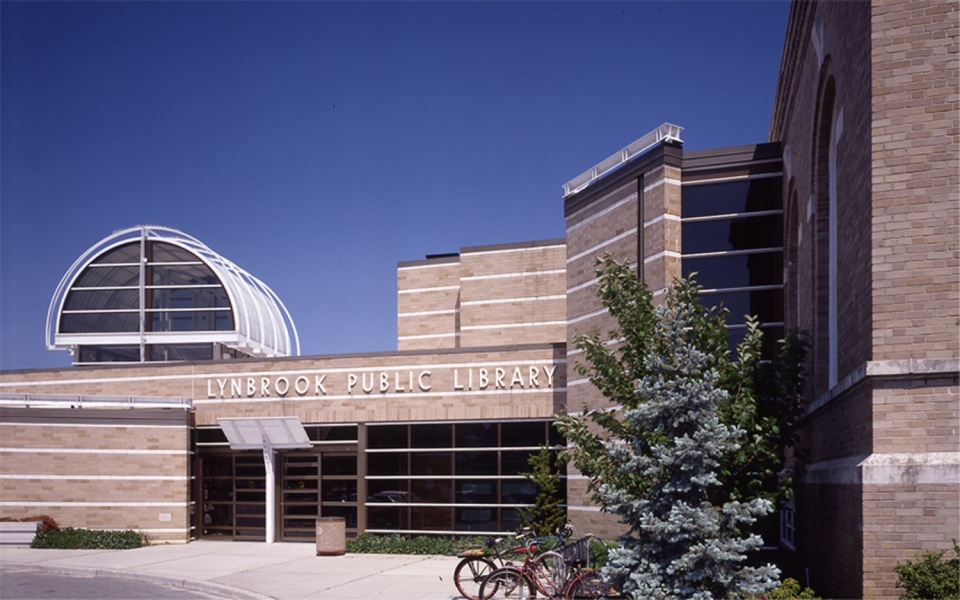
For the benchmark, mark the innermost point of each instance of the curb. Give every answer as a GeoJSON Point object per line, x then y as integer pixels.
{"type": "Point", "coordinates": [207, 587]}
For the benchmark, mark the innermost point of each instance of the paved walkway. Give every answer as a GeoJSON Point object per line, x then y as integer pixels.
{"type": "Point", "coordinates": [257, 570]}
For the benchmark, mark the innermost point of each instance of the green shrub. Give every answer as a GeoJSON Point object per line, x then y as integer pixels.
{"type": "Point", "coordinates": [599, 551]}
{"type": "Point", "coordinates": [89, 539]}
{"type": "Point", "coordinates": [371, 543]}
{"type": "Point", "coordinates": [931, 577]}
{"type": "Point", "coordinates": [791, 589]}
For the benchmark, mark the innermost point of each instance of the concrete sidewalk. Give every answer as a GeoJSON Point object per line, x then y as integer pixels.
{"type": "Point", "coordinates": [257, 570]}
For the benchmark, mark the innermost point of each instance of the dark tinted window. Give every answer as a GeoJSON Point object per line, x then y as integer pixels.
{"type": "Point", "coordinates": [190, 321]}
{"type": "Point", "coordinates": [109, 353]}
{"type": "Point", "coordinates": [523, 434]}
{"type": "Point", "coordinates": [431, 436]}
{"type": "Point", "coordinates": [160, 252]}
{"type": "Point", "coordinates": [765, 304]}
{"type": "Point", "coordinates": [99, 322]}
{"type": "Point", "coordinates": [127, 253]}
{"type": "Point", "coordinates": [123, 276]}
{"type": "Point", "coordinates": [182, 275]}
{"type": "Point", "coordinates": [731, 197]}
{"type": "Point", "coordinates": [103, 299]}
{"type": "Point", "coordinates": [476, 463]}
{"type": "Point", "coordinates": [189, 298]}
{"type": "Point", "coordinates": [732, 234]}
{"type": "Point", "coordinates": [736, 271]}
{"type": "Point", "coordinates": [168, 352]}
{"type": "Point", "coordinates": [476, 435]}
{"type": "Point", "coordinates": [387, 436]}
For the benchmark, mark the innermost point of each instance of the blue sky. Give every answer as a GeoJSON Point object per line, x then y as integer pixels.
{"type": "Point", "coordinates": [317, 144]}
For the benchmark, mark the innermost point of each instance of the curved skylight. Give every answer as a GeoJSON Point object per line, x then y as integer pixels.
{"type": "Point", "coordinates": [152, 293]}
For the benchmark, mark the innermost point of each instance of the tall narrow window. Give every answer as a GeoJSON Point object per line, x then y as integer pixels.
{"type": "Point", "coordinates": [825, 344]}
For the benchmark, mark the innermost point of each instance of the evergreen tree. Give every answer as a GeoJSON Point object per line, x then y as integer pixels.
{"type": "Point", "coordinates": [546, 516]}
{"type": "Point", "coordinates": [688, 457]}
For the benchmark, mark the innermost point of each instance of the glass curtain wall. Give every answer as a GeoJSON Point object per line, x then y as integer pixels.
{"type": "Point", "coordinates": [180, 294]}
{"type": "Point", "coordinates": [452, 477]}
{"type": "Point", "coordinates": [732, 238]}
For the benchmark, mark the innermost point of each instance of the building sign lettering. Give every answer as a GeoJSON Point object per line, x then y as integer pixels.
{"type": "Point", "coordinates": [382, 382]}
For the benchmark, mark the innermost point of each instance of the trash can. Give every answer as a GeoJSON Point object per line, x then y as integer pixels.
{"type": "Point", "coordinates": [331, 536]}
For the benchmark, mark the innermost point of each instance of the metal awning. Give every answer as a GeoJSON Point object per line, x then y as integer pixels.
{"type": "Point", "coordinates": [267, 434]}
{"type": "Point", "coordinates": [280, 433]}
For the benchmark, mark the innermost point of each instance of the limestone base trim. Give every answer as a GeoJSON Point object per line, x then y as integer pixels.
{"type": "Point", "coordinates": [887, 469]}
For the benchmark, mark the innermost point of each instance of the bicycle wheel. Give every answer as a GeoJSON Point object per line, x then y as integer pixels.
{"type": "Point", "coordinates": [507, 583]}
{"type": "Point", "coordinates": [588, 585]}
{"type": "Point", "coordinates": [470, 573]}
{"type": "Point", "coordinates": [550, 571]}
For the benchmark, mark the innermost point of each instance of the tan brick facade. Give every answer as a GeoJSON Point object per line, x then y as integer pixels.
{"type": "Point", "coordinates": [866, 111]}
{"type": "Point", "coordinates": [99, 468]}
{"type": "Point", "coordinates": [486, 296]}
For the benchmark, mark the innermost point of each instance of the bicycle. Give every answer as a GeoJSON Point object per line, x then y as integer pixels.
{"type": "Point", "coordinates": [478, 564]}
{"type": "Point", "coordinates": [585, 583]}
{"type": "Point", "coordinates": [545, 573]}
{"type": "Point", "coordinates": [558, 575]}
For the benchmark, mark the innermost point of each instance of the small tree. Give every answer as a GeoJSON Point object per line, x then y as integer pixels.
{"type": "Point", "coordinates": [689, 456]}
{"type": "Point", "coordinates": [546, 515]}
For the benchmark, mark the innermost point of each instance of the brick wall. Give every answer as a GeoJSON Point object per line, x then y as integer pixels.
{"type": "Point", "coordinates": [428, 304]}
{"type": "Point", "coordinates": [519, 382]}
{"type": "Point", "coordinates": [880, 80]}
{"type": "Point", "coordinates": [98, 468]}
{"type": "Point", "coordinates": [513, 294]}
{"type": "Point", "coordinates": [916, 179]}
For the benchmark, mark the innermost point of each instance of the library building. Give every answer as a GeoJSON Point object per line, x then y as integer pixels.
{"type": "Point", "coordinates": [189, 412]}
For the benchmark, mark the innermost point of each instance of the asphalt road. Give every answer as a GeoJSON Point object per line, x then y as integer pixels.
{"type": "Point", "coordinates": [32, 584]}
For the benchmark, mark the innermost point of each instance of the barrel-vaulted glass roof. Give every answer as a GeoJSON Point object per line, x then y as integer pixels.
{"type": "Point", "coordinates": [151, 293]}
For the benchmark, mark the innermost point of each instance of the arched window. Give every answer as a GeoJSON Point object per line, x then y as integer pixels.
{"type": "Point", "coordinates": [157, 294]}
{"type": "Point", "coordinates": [825, 228]}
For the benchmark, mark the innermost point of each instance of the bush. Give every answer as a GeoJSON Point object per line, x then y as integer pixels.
{"type": "Point", "coordinates": [371, 543]}
{"type": "Point", "coordinates": [89, 539]}
{"type": "Point", "coordinates": [789, 589]}
{"type": "Point", "coordinates": [931, 576]}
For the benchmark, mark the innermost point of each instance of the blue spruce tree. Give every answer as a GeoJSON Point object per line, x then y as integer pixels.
{"type": "Point", "coordinates": [661, 462]}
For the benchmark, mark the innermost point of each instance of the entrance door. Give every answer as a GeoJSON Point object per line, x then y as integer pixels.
{"type": "Point", "coordinates": [233, 492]}
{"type": "Point", "coordinates": [317, 485]}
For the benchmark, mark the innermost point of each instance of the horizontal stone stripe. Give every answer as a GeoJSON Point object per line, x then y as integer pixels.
{"type": "Point", "coordinates": [589, 315]}
{"type": "Point", "coordinates": [591, 508]}
{"type": "Point", "coordinates": [98, 504]}
{"type": "Point", "coordinates": [89, 451]}
{"type": "Point", "coordinates": [607, 242]}
{"type": "Point", "coordinates": [593, 281]}
{"type": "Point", "coordinates": [658, 218]}
{"type": "Point", "coordinates": [96, 477]}
{"type": "Point", "coordinates": [91, 425]}
{"type": "Point", "coordinates": [518, 299]}
{"type": "Point", "coordinates": [596, 216]}
{"type": "Point", "coordinates": [510, 325]}
{"type": "Point", "coordinates": [514, 275]}
{"type": "Point", "coordinates": [914, 468]}
{"type": "Point", "coordinates": [662, 254]}
{"type": "Point", "coordinates": [427, 313]}
{"type": "Point", "coordinates": [513, 250]}
{"type": "Point", "coordinates": [439, 288]}
{"type": "Point", "coordinates": [661, 181]}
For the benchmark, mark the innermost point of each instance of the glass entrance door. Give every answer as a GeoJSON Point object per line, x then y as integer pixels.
{"type": "Point", "coordinates": [317, 485]}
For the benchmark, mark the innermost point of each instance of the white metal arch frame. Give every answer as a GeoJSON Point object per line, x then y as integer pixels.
{"type": "Point", "coordinates": [262, 324]}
